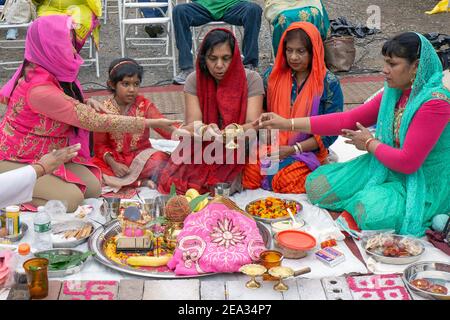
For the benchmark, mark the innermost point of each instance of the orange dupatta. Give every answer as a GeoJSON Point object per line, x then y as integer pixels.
{"type": "Point", "coordinates": [280, 81]}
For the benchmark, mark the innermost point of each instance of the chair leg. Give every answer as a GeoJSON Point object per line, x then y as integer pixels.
{"type": "Point", "coordinates": [105, 9]}
{"type": "Point", "coordinates": [97, 64]}
{"type": "Point", "coordinates": [172, 41]}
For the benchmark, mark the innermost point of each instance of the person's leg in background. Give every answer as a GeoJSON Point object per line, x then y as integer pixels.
{"type": "Point", "coordinates": [12, 33]}
{"type": "Point", "coordinates": [153, 30]}
{"type": "Point", "coordinates": [247, 14]}
{"type": "Point", "coordinates": [185, 16]}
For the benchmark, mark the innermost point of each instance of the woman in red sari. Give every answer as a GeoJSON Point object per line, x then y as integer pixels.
{"type": "Point", "coordinates": [219, 94]}
{"type": "Point", "coordinates": [115, 152]}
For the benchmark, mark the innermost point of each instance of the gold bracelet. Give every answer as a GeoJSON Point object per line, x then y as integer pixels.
{"type": "Point", "coordinates": [299, 145]}
{"type": "Point", "coordinates": [368, 141]}
{"type": "Point", "coordinates": [42, 166]}
{"type": "Point", "coordinates": [292, 124]}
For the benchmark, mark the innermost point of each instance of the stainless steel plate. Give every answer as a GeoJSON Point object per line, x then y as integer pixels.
{"type": "Point", "coordinates": [70, 225]}
{"type": "Point", "coordinates": [436, 272]}
{"type": "Point", "coordinates": [266, 220]}
{"type": "Point", "coordinates": [18, 237]}
{"type": "Point", "coordinates": [65, 272]}
{"type": "Point", "coordinates": [103, 233]}
{"type": "Point", "coordinates": [394, 260]}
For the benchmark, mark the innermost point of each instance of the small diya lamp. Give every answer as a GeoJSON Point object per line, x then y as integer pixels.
{"type": "Point", "coordinates": [281, 273]}
{"type": "Point", "coordinates": [253, 270]}
{"type": "Point", "coordinates": [270, 259]}
{"type": "Point", "coordinates": [230, 135]}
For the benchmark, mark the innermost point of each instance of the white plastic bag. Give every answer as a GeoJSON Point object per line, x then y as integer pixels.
{"type": "Point", "coordinates": [18, 11]}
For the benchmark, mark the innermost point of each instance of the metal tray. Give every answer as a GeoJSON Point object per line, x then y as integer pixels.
{"type": "Point", "coordinates": [68, 271]}
{"type": "Point", "coordinates": [436, 272]}
{"type": "Point", "coordinates": [103, 233]}
{"type": "Point", "coordinates": [394, 260]}
{"type": "Point", "coordinates": [266, 220]}
{"type": "Point", "coordinates": [68, 225]}
{"type": "Point", "coordinates": [18, 237]}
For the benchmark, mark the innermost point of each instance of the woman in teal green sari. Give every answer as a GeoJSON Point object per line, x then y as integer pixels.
{"type": "Point", "coordinates": [403, 180]}
{"type": "Point", "coordinates": [281, 13]}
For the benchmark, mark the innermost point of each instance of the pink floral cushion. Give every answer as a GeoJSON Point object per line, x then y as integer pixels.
{"type": "Point", "coordinates": [216, 239]}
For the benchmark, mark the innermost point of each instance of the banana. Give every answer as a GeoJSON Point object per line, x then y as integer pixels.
{"type": "Point", "coordinates": [192, 193]}
{"type": "Point", "coordinates": [201, 205]}
{"type": "Point", "coordinates": [146, 261]}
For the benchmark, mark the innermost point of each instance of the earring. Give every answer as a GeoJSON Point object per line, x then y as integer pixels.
{"type": "Point", "coordinates": [413, 79]}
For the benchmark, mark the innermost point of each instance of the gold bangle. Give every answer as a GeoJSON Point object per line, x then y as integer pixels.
{"type": "Point", "coordinates": [368, 141]}
{"type": "Point", "coordinates": [42, 166]}
{"type": "Point", "coordinates": [296, 149]}
{"type": "Point", "coordinates": [299, 145]}
{"type": "Point", "coordinates": [292, 124]}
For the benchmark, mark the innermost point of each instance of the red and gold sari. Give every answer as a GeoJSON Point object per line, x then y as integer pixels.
{"type": "Point", "coordinates": [126, 147]}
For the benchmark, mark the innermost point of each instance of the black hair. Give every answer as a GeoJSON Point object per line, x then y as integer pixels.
{"type": "Point", "coordinates": [212, 39]}
{"type": "Point", "coordinates": [405, 45]}
{"type": "Point", "coordinates": [127, 68]}
{"type": "Point", "coordinates": [304, 38]}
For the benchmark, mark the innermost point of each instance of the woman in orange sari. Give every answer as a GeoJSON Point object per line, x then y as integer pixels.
{"type": "Point", "coordinates": [298, 85]}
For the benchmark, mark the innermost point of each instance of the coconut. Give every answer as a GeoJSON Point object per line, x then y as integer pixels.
{"type": "Point", "coordinates": [177, 209]}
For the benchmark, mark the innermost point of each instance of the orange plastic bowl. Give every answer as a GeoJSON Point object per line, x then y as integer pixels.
{"type": "Point", "coordinates": [294, 244]}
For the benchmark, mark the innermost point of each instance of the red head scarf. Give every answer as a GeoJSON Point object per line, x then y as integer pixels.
{"type": "Point", "coordinates": [280, 81]}
{"type": "Point", "coordinates": [229, 96]}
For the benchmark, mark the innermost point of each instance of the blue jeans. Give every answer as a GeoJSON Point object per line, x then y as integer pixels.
{"type": "Point", "coordinates": [245, 14]}
{"type": "Point", "coordinates": [151, 13]}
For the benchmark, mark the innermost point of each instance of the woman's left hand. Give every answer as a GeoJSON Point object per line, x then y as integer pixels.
{"type": "Point", "coordinates": [357, 138]}
{"type": "Point", "coordinates": [97, 106]}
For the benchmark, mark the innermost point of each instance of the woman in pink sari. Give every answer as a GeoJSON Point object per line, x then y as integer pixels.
{"type": "Point", "coordinates": [45, 111]}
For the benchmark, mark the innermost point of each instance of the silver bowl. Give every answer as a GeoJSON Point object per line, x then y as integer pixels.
{"type": "Point", "coordinates": [69, 225]}
{"type": "Point", "coordinates": [268, 220]}
{"type": "Point", "coordinates": [20, 235]}
{"type": "Point", "coordinates": [64, 272]}
{"type": "Point", "coordinates": [394, 260]}
{"type": "Point", "coordinates": [103, 233]}
{"type": "Point", "coordinates": [436, 272]}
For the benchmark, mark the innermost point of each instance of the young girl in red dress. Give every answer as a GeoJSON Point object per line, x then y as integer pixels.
{"type": "Point", "coordinates": [128, 159]}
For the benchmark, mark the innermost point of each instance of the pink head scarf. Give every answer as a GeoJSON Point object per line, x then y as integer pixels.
{"type": "Point", "coordinates": [49, 45]}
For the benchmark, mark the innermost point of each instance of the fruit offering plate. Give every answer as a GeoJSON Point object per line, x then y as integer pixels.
{"type": "Point", "coordinates": [429, 279]}
{"type": "Point", "coordinates": [101, 242]}
{"type": "Point", "coordinates": [272, 209]}
{"type": "Point", "coordinates": [393, 249]}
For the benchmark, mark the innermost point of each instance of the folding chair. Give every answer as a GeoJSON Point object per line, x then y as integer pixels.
{"type": "Point", "coordinates": [197, 36]}
{"type": "Point", "coordinates": [11, 44]}
{"type": "Point", "coordinates": [93, 56]}
{"type": "Point", "coordinates": [125, 7]}
{"type": "Point", "coordinates": [106, 11]}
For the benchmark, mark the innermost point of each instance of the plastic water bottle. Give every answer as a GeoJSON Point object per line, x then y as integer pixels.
{"type": "Point", "coordinates": [23, 255]}
{"type": "Point", "coordinates": [42, 230]}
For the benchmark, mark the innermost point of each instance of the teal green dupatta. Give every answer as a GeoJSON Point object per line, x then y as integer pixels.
{"type": "Point", "coordinates": [377, 197]}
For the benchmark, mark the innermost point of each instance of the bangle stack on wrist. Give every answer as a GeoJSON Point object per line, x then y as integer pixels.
{"type": "Point", "coordinates": [368, 141]}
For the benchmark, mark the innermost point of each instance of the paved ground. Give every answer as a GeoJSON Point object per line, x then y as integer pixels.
{"type": "Point", "coordinates": [396, 16]}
